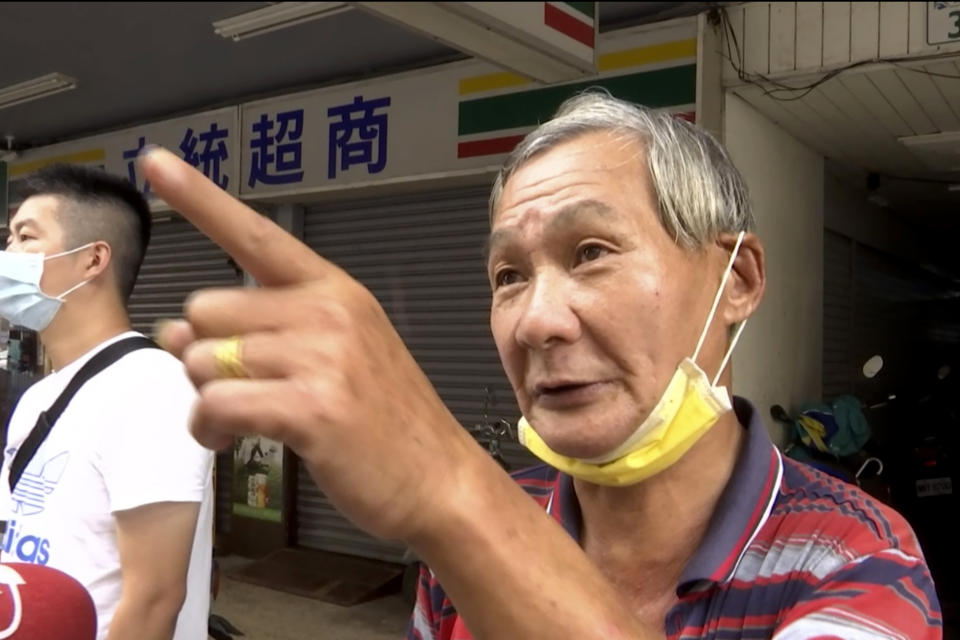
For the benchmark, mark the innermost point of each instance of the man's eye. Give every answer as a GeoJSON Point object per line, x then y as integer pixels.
{"type": "Point", "coordinates": [506, 277]}
{"type": "Point", "coordinates": [590, 252]}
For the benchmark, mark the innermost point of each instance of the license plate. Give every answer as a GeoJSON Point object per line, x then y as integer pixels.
{"type": "Point", "coordinates": [934, 487]}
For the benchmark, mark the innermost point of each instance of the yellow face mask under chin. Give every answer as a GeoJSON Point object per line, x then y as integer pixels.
{"type": "Point", "coordinates": [689, 406]}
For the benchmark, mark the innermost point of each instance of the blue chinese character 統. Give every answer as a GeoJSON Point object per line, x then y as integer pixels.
{"type": "Point", "coordinates": [210, 156]}
{"type": "Point", "coordinates": [131, 157]}
{"type": "Point", "coordinates": [370, 128]}
{"type": "Point", "coordinates": [277, 159]}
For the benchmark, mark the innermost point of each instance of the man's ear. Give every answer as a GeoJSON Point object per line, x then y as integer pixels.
{"type": "Point", "coordinates": [98, 261]}
{"type": "Point", "coordinates": [748, 278]}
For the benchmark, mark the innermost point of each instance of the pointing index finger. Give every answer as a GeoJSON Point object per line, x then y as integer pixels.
{"type": "Point", "coordinates": [262, 248]}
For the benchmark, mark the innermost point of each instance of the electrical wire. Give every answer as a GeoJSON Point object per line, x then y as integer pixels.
{"type": "Point", "coordinates": [935, 74]}
{"type": "Point", "coordinates": [776, 89]}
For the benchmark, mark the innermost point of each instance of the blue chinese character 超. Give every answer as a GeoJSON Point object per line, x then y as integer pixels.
{"type": "Point", "coordinates": [131, 157]}
{"type": "Point", "coordinates": [210, 156]}
{"type": "Point", "coordinates": [276, 159]}
{"type": "Point", "coordinates": [358, 117]}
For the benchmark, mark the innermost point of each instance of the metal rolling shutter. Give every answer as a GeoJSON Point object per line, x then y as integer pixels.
{"type": "Point", "coordinates": [872, 305]}
{"type": "Point", "coordinates": [181, 260]}
{"type": "Point", "coordinates": [423, 259]}
{"type": "Point", "coordinates": [838, 314]}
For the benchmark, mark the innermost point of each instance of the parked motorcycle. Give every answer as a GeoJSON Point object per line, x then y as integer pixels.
{"type": "Point", "coordinates": [912, 459]}
{"type": "Point", "coordinates": [835, 438]}
{"type": "Point", "coordinates": [492, 432]}
{"type": "Point", "coordinates": [924, 455]}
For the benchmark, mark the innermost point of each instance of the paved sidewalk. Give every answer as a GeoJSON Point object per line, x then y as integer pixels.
{"type": "Point", "coordinates": [266, 614]}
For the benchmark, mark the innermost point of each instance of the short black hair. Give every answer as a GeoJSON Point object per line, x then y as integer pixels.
{"type": "Point", "coordinates": [98, 206]}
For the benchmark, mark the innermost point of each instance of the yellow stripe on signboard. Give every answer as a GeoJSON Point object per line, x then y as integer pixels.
{"type": "Point", "coordinates": [79, 157]}
{"type": "Point", "coordinates": [636, 57]}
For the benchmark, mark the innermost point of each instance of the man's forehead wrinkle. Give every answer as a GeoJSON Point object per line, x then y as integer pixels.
{"type": "Point", "coordinates": [533, 190]}
{"type": "Point", "coordinates": [570, 213]}
{"type": "Point", "coordinates": [530, 193]}
{"type": "Point", "coordinates": [625, 143]}
{"type": "Point", "coordinates": [566, 216]}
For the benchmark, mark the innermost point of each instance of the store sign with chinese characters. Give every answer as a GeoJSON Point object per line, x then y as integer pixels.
{"type": "Point", "coordinates": [360, 133]}
{"type": "Point", "coordinates": [209, 141]}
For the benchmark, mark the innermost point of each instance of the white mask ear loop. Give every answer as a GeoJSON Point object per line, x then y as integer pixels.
{"type": "Point", "coordinates": [716, 300]}
{"type": "Point", "coordinates": [66, 253]}
{"type": "Point", "coordinates": [71, 290]}
{"type": "Point", "coordinates": [726, 358]}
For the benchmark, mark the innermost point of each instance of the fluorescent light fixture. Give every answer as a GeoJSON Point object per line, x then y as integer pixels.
{"type": "Point", "coordinates": [279, 15]}
{"type": "Point", "coordinates": [35, 89]}
{"type": "Point", "coordinates": [938, 151]}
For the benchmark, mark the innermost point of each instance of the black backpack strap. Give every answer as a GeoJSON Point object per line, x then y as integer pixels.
{"type": "Point", "coordinates": [45, 421]}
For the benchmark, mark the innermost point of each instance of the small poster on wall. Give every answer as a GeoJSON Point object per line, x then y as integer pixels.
{"type": "Point", "coordinates": [258, 478]}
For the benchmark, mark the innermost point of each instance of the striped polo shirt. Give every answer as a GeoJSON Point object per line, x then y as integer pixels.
{"type": "Point", "coordinates": [790, 553]}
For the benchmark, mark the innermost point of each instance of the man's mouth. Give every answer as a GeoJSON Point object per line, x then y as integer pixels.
{"type": "Point", "coordinates": [561, 395]}
{"type": "Point", "coordinates": [558, 388]}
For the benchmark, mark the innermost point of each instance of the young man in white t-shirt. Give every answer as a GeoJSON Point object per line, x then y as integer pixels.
{"type": "Point", "coordinates": [119, 495]}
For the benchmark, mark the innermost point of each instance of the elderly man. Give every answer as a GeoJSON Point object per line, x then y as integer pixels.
{"type": "Point", "coordinates": [622, 268]}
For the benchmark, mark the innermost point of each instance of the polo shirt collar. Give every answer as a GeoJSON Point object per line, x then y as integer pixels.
{"type": "Point", "coordinates": [741, 512]}
{"type": "Point", "coordinates": [744, 505]}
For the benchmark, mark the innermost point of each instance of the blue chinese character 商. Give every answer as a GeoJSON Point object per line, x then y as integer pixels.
{"type": "Point", "coordinates": [276, 159]}
{"type": "Point", "coordinates": [358, 117]}
{"type": "Point", "coordinates": [210, 156]}
{"type": "Point", "coordinates": [131, 157]}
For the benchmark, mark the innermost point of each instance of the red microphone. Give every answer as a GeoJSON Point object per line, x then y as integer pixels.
{"type": "Point", "coordinates": [40, 603]}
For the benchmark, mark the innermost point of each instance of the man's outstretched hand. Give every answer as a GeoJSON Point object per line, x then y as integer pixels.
{"type": "Point", "coordinates": [327, 373]}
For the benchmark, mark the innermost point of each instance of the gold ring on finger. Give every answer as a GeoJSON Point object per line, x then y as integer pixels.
{"type": "Point", "coordinates": [228, 356]}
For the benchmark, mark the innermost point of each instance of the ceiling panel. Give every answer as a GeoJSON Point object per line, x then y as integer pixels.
{"type": "Point", "coordinates": [856, 120]}
{"type": "Point", "coordinates": [851, 131]}
{"type": "Point", "coordinates": [860, 116]}
{"type": "Point", "coordinates": [873, 101]}
{"type": "Point", "coordinates": [945, 75]}
{"type": "Point", "coordinates": [797, 118]}
{"type": "Point", "coordinates": [935, 104]}
{"type": "Point", "coordinates": [896, 93]}
{"type": "Point", "coordinates": [872, 148]}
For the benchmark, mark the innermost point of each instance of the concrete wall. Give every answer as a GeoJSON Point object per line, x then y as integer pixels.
{"type": "Point", "coordinates": [778, 360]}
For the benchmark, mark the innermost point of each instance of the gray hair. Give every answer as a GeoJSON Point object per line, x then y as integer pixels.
{"type": "Point", "coordinates": [700, 193]}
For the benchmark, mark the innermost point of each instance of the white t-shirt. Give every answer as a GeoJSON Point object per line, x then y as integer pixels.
{"type": "Point", "coordinates": [121, 443]}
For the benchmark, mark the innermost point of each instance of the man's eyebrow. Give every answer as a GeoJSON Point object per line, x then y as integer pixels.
{"type": "Point", "coordinates": [566, 216]}
{"type": "Point", "coordinates": [494, 240]}
{"type": "Point", "coordinates": [16, 225]}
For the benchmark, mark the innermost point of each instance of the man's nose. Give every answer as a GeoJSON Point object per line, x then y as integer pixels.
{"type": "Point", "coordinates": [547, 316]}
